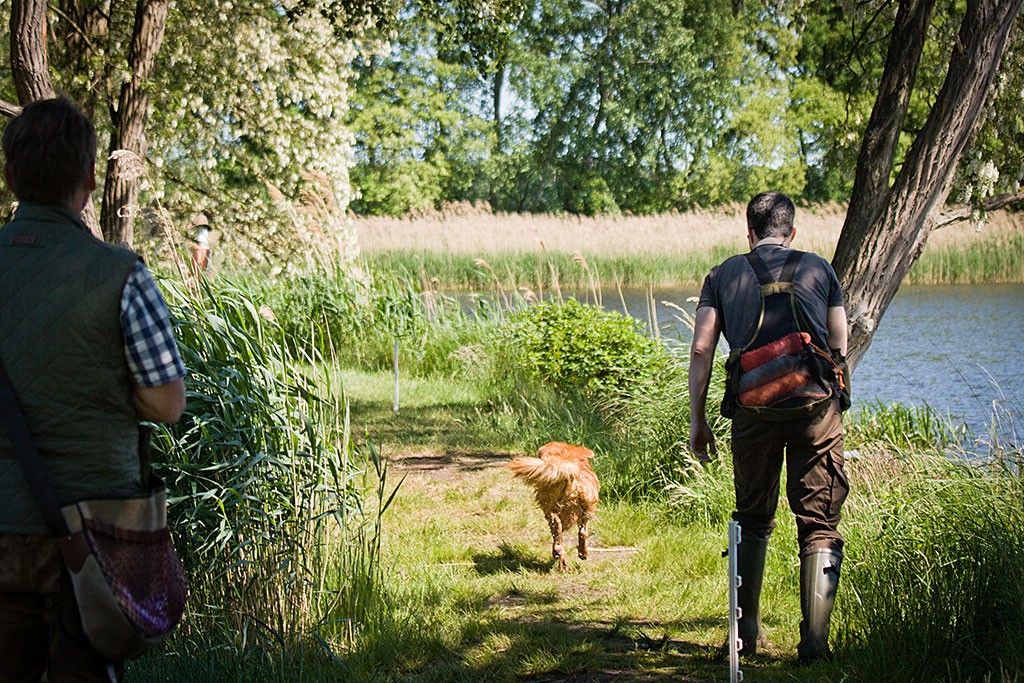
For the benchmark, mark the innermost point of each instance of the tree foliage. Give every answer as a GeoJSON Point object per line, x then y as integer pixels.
{"type": "Point", "coordinates": [243, 105]}
{"type": "Point", "coordinates": [644, 106]}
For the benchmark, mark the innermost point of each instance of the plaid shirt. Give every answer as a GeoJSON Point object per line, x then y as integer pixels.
{"type": "Point", "coordinates": [149, 344]}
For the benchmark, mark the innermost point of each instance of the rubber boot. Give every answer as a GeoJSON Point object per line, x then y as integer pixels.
{"type": "Point", "coordinates": [750, 557]}
{"type": "Point", "coordinates": [819, 578]}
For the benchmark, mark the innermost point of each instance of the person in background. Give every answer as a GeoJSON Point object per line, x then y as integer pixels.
{"type": "Point", "coordinates": [86, 339]}
{"type": "Point", "coordinates": [812, 447]}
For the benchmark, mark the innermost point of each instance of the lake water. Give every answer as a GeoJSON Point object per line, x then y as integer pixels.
{"type": "Point", "coordinates": [954, 348]}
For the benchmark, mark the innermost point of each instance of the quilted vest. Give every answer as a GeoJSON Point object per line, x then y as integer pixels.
{"type": "Point", "coordinates": [62, 345]}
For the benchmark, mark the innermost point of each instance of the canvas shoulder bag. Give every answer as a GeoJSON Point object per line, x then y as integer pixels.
{"type": "Point", "coordinates": [128, 580]}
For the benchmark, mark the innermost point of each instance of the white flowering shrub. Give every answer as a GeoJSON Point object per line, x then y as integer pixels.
{"type": "Point", "coordinates": [246, 125]}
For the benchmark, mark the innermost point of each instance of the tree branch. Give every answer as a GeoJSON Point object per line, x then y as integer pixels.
{"type": "Point", "coordinates": [9, 110]}
{"type": "Point", "coordinates": [963, 213]}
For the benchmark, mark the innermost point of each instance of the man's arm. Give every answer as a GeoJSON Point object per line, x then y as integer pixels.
{"type": "Point", "coordinates": [837, 329]}
{"type": "Point", "coordinates": [164, 403]}
{"type": "Point", "coordinates": [706, 330]}
{"type": "Point", "coordinates": [150, 350]}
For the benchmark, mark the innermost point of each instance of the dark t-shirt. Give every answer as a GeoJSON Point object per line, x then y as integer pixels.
{"type": "Point", "coordinates": [732, 289]}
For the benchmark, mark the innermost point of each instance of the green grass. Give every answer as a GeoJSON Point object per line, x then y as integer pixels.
{"type": "Point", "coordinates": [988, 261]}
{"type": "Point", "coordinates": [927, 539]}
{"type": "Point", "coordinates": [309, 564]}
{"type": "Point", "coordinates": [549, 272]}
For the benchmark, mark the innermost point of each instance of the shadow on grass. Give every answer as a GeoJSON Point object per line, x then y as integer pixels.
{"type": "Point", "coordinates": [442, 427]}
{"type": "Point", "coordinates": [546, 647]}
{"type": "Point", "coordinates": [508, 558]}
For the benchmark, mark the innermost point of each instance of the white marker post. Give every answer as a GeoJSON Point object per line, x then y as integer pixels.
{"type": "Point", "coordinates": [395, 406]}
{"type": "Point", "coordinates": [735, 611]}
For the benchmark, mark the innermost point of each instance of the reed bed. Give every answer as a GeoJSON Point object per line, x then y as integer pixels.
{"type": "Point", "coordinates": [267, 505]}
{"type": "Point", "coordinates": [476, 249]}
{"type": "Point", "coordinates": [478, 232]}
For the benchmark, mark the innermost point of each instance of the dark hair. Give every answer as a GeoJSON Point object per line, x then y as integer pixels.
{"type": "Point", "coordinates": [50, 147]}
{"type": "Point", "coordinates": [770, 214]}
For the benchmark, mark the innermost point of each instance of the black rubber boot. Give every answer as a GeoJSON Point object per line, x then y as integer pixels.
{"type": "Point", "coordinates": [819, 578]}
{"type": "Point", "coordinates": [750, 557]}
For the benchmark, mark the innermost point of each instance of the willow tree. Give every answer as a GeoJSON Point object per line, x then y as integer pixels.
{"type": "Point", "coordinates": [85, 32]}
{"type": "Point", "coordinates": [890, 216]}
{"type": "Point", "coordinates": [234, 109]}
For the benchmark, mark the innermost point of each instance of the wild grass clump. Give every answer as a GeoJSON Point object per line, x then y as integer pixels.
{"type": "Point", "coordinates": [934, 578]}
{"type": "Point", "coordinates": [554, 272]}
{"type": "Point", "coordinates": [898, 428]}
{"type": "Point", "coordinates": [323, 313]}
{"type": "Point", "coordinates": [267, 508]}
{"type": "Point", "coordinates": [995, 259]}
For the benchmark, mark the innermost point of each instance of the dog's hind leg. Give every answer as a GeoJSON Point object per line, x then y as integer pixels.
{"type": "Point", "coordinates": [581, 546]}
{"type": "Point", "coordinates": [557, 551]}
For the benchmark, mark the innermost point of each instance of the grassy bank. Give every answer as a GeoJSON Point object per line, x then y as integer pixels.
{"type": "Point", "coordinates": [307, 564]}
{"type": "Point", "coordinates": [930, 591]}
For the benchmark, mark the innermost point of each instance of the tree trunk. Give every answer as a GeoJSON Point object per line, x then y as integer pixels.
{"type": "Point", "coordinates": [85, 35]}
{"type": "Point", "coordinates": [30, 64]}
{"type": "Point", "coordinates": [128, 140]}
{"type": "Point", "coordinates": [882, 238]}
{"type": "Point", "coordinates": [881, 137]}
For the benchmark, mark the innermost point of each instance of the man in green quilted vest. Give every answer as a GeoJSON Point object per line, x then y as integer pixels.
{"type": "Point", "coordinates": [86, 339]}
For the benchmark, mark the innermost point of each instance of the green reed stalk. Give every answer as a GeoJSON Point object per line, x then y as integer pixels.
{"type": "Point", "coordinates": [996, 260]}
{"type": "Point", "coordinates": [554, 271]}
{"type": "Point", "coordinates": [267, 502]}
{"type": "Point", "coordinates": [934, 580]}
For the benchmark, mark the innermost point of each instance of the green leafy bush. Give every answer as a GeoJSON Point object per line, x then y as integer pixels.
{"type": "Point", "coordinates": [569, 345]}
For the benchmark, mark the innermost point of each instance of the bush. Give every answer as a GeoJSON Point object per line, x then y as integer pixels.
{"type": "Point", "coordinates": [572, 346]}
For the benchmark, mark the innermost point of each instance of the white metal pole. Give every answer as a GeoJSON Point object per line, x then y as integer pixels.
{"type": "Point", "coordinates": [735, 611]}
{"type": "Point", "coordinates": [395, 407]}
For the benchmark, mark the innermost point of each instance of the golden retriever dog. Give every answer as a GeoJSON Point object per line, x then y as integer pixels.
{"type": "Point", "coordinates": [566, 489]}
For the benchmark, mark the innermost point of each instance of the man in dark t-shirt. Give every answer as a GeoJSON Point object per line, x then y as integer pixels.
{"type": "Point", "coordinates": [812, 447]}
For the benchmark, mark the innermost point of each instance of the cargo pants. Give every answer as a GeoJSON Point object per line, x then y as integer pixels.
{"type": "Point", "coordinates": [816, 483]}
{"type": "Point", "coordinates": [41, 634]}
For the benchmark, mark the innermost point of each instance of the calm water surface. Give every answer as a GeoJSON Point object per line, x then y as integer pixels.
{"type": "Point", "coordinates": [954, 348]}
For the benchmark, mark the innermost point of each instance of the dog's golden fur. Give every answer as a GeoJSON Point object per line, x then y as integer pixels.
{"type": "Point", "coordinates": [566, 489]}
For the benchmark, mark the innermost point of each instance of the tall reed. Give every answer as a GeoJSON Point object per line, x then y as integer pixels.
{"type": "Point", "coordinates": [267, 489]}
{"type": "Point", "coordinates": [995, 259]}
{"type": "Point", "coordinates": [933, 586]}
{"type": "Point", "coordinates": [323, 314]}
{"type": "Point", "coordinates": [546, 273]}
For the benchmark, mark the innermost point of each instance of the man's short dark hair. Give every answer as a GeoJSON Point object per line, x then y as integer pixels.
{"type": "Point", "coordinates": [770, 214]}
{"type": "Point", "coordinates": [50, 147]}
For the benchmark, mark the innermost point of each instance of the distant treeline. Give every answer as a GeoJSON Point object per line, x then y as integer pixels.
{"type": "Point", "coordinates": [643, 106]}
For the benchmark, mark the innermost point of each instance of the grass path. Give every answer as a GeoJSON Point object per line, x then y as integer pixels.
{"type": "Point", "coordinates": [467, 555]}
{"type": "Point", "coordinates": [471, 551]}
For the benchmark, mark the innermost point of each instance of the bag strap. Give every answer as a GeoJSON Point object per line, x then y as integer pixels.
{"type": "Point", "coordinates": [770, 285]}
{"type": "Point", "coordinates": [31, 464]}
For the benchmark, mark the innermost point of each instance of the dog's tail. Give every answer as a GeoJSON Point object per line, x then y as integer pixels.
{"type": "Point", "coordinates": [544, 473]}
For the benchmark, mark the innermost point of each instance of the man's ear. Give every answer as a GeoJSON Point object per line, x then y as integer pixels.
{"type": "Point", "coordinates": [90, 177]}
{"type": "Point", "coordinates": [8, 178]}
{"type": "Point", "coordinates": [792, 236]}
